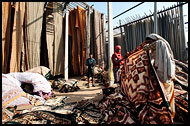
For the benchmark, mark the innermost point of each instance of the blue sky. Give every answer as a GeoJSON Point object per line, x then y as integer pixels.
{"type": "Point", "coordinates": [146, 7]}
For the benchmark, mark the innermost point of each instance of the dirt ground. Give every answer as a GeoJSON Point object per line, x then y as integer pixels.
{"type": "Point", "coordinates": [83, 93]}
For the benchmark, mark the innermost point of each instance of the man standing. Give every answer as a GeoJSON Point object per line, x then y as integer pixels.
{"type": "Point", "coordinates": [90, 62]}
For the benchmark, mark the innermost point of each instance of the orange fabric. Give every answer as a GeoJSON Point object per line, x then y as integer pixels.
{"type": "Point", "coordinates": [17, 37]}
{"type": "Point", "coordinates": [77, 22]}
{"type": "Point", "coordinates": [6, 26]}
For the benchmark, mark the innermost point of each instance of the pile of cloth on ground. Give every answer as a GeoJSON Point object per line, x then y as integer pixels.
{"type": "Point", "coordinates": [22, 89]}
{"type": "Point", "coordinates": [64, 86]}
{"type": "Point", "coordinates": [142, 98]}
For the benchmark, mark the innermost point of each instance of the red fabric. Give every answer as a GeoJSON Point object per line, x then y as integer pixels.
{"type": "Point", "coordinates": [117, 55]}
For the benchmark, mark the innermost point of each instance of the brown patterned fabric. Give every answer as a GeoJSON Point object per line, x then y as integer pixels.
{"type": "Point", "coordinates": [141, 87]}
{"type": "Point", "coordinates": [87, 112]}
{"type": "Point", "coordinates": [43, 117]}
{"type": "Point", "coordinates": [181, 106]}
{"type": "Point", "coordinates": [115, 109]}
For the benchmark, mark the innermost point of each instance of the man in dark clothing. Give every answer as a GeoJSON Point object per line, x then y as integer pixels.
{"type": "Point", "coordinates": [90, 62]}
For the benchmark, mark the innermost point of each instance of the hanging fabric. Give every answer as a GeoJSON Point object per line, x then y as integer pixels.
{"type": "Point", "coordinates": [50, 32]}
{"type": "Point", "coordinates": [59, 50]}
{"type": "Point", "coordinates": [168, 28]}
{"type": "Point", "coordinates": [6, 34]}
{"type": "Point", "coordinates": [33, 31]}
{"type": "Point", "coordinates": [17, 37]}
{"type": "Point", "coordinates": [77, 20]}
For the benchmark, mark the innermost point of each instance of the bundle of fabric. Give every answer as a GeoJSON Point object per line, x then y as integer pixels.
{"type": "Point", "coordinates": [181, 107]}
{"type": "Point", "coordinates": [52, 108]}
{"type": "Point", "coordinates": [181, 75]}
{"type": "Point", "coordinates": [105, 78]}
{"type": "Point", "coordinates": [115, 109]}
{"type": "Point", "coordinates": [44, 117]}
{"type": "Point", "coordinates": [62, 86]}
{"type": "Point", "coordinates": [13, 95]}
{"type": "Point", "coordinates": [41, 86]}
{"type": "Point", "coordinates": [46, 72]}
{"type": "Point", "coordinates": [8, 113]}
{"type": "Point", "coordinates": [87, 112]}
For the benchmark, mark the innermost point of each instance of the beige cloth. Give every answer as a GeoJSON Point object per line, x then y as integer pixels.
{"type": "Point", "coordinates": [17, 37]}
{"type": "Point", "coordinates": [41, 70]}
{"type": "Point", "coordinates": [34, 18]}
{"type": "Point", "coordinates": [50, 31]}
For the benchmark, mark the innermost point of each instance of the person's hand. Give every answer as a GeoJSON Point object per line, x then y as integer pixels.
{"type": "Point", "coordinates": [126, 55]}
{"type": "Point", "coordinates": [146, 47]}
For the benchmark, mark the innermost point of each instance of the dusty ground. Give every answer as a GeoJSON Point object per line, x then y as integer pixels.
{"type": "Point", "coordinates": [84, 92]}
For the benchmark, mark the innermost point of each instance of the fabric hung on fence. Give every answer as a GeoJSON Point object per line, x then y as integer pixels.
{"type": "Point", "coordinates": [34, 18]}
{"type": "Point", "coordinates": [168, 28]}
{"type": "Point", "coordinates": [17, 37]}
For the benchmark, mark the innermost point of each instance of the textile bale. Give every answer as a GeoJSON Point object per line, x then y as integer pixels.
{"type": "Point", "coordinates": [41, 70]}
{"type": "Point", "coordinates": [37, 80]}
{"type": "Point", "coordinates": [65, 86]}
{"type": "Point", "coordinates": [12, 93]}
